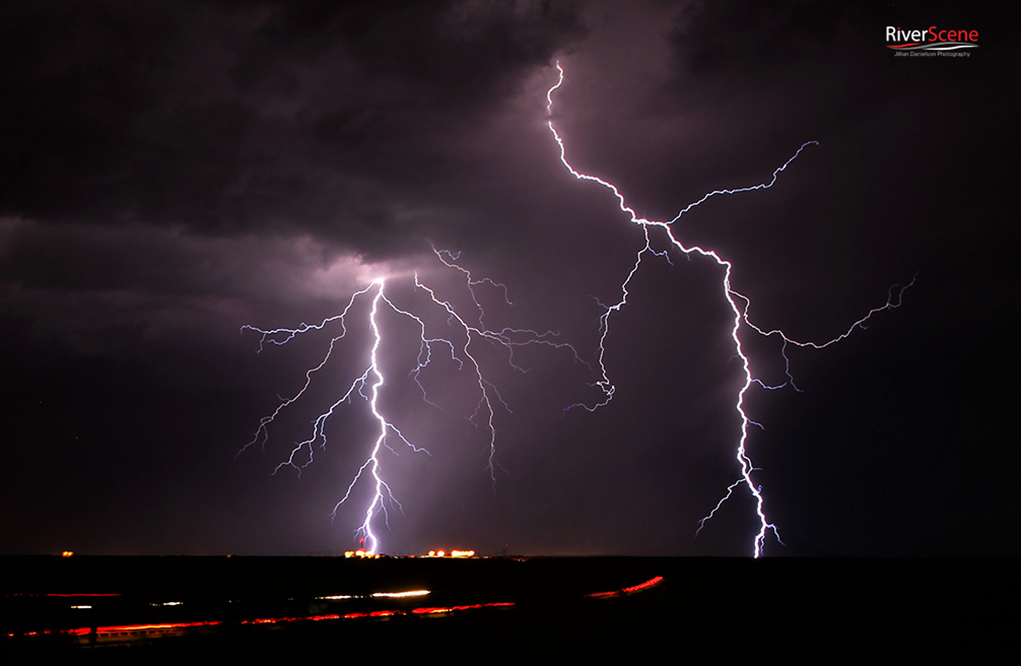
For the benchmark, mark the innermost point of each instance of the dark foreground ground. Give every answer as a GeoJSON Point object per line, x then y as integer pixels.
{"type": "Point", "coordinates": [139, 608]}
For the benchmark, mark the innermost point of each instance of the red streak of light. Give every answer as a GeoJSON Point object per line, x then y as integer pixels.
{"type": "Point", "coordinates": [83, 595]}
{"type": "Point", "coordinates": [275, 620]}
{"type": "Point", "coordinates": [448, 609]}
{"type": "Point", "coordinates": [382, 613]}
{"type": "Point", "coordinates": [139, 627]}
{"type": "Point", "coordinates": [647, 584]}
{"type": "Point", "coordinates": [131, 628]}
{"type": "Point", "coordinates": [634, 588]}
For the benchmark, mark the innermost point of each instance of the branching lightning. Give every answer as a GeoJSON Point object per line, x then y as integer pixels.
{"type": "Point", "coordinates": [732, 297]}
{"type": "Point", "coordinates": [469, 330]}
{"type": "Point", "coordinates": [371, 382]}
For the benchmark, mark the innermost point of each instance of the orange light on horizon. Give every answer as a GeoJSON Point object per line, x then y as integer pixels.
{"type": "Point", "coordinates": [453, 553]}
{"type": "Point", "coordinates": [362, 553]}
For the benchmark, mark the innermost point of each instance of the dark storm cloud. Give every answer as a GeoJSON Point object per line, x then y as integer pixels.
{"type": "Point", "coordinates": [737, 38]}
{"type": "Point", "coordinates": [749, 82]}
{"type": "Point", "coordinates": [171, 171]}
{"type": "Point", "coordinates": [335, 119]}
{"type": "Point", "coordinates": [104, 289]}
{"type": "Point", "coordinates": [757, 37]}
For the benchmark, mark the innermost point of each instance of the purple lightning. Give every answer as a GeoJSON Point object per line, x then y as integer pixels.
{"type": "Point", "coordinates": [471, 331]}
{"type": "Point", "coordinates": [370, 383]}
{"type": "Point", "coordinates": [732, 297]}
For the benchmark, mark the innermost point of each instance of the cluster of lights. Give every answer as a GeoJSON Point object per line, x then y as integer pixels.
{"type": "Point", "coordinates": [453, 553]}
{"type": "Point", "coordinates": [363, 554]}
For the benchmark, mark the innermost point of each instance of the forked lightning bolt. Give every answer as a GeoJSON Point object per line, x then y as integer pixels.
{"type": "Point", "coordinates": [471, 331]}
{"type": "Point", "coordinates": [372, 381]}
{"type": "Point", "coordinates": [739, 305]}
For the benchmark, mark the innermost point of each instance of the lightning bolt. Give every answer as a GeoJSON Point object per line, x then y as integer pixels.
{"type": "Point", "coordinates": [470, 331]}
{"type": "Point", "coordinates": [739, 306]}
{"type": "Point", "coordinates": [371, 382]}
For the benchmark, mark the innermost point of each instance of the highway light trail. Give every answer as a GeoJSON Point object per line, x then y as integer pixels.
{"type": "Point", "coordinates": [739, 306]}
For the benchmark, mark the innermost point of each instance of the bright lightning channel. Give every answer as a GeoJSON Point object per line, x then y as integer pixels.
{"type": "Point", "coordinates": [733, 298]}
{"type": "Point", "coordinates": [372, 381]}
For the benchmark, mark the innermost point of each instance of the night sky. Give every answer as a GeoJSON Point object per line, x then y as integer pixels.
{"type": "Point", "coordinates": [173, 171]}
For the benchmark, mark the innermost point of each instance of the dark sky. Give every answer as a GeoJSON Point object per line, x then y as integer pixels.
{"type": "Point", "coordinates": [172, 171]}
